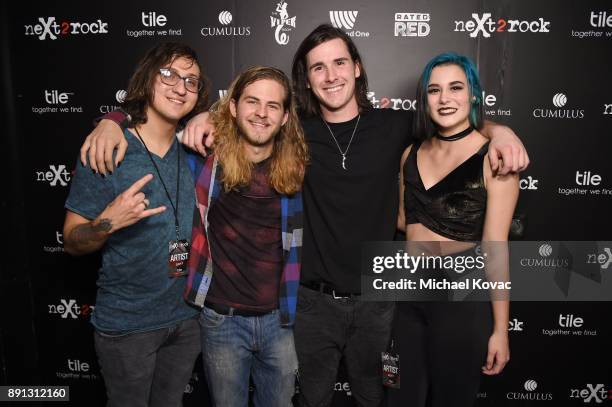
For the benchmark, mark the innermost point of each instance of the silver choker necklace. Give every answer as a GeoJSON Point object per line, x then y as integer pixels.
{"type": "Point", "coordinates": [343, 154]}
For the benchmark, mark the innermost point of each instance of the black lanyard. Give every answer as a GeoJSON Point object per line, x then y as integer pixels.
{"type": "Point", "coordinates": [178, 179]}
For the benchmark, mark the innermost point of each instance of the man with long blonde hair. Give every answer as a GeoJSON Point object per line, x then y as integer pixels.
{"type": "Point", "coordinates": [250, 238]}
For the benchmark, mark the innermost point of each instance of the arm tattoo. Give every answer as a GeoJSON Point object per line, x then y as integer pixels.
{"type": "Point", "coordinates": [104, 226]}
{"type": "Point", "coordinates": [89, 232]}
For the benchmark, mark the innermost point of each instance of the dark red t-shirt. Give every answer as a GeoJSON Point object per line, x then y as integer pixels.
{"type": "Point", "coordinates": [245, 241]}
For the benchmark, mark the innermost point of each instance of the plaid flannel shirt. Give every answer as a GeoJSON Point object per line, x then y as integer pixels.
{"type": "Point", "coordinates": [207, 175]}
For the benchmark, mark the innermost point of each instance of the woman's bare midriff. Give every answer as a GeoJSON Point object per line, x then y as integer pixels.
{"type": "Point", "coordinates": [430, 241]}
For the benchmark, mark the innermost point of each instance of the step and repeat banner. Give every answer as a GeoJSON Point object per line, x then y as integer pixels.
{"type": "Point", "coordinates": [546, 72]}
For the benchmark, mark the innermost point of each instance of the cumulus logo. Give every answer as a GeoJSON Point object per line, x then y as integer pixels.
{"type": "Point", "coordinates": [545, 250]}
{"type": "Point", "coordinates": [225, 17]}
{"type": "Point", "coordinates": [560, 261]}
{"type": "Point", "coordinates": [227, 30]}
{"type": "Point", "coordinates": [343, 19]}
{"type": "Point", "coordinates": [530, 385]}
{"type": "Point", "coordinates": [120, 96]}
{"type": "Point", "coordinates": [559, 100]}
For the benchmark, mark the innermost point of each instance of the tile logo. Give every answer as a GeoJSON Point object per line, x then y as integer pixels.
{"type": "Point", "coordinates": [57, 246]}
{"type": "Point", "coordinates": [601, 19]}
{"type": "Point", "coordinates": [343, 19]}
{"type": "Point", "coordinates": [51, 29]}
{"type": "Point", "coordinates": [489, 101]}
{"type": "Point", "coordinates": [600, 22]}
{"type": "Point", "coordinates": [412, 24]}
{"type": "Point", "coordinates": [593, 392]}
{"type": "Point", "coordinates": [154, 24]}
{"type": "Point", "coordinates": [485, 25]}
{"type": "Point", "coordinates": [586, 178]}
{"type": "Point", "coordinates": [57, 102]}
{"type": "Point", "coordinates": [225, 17]}
{"type": "Point", "coordinates": [570, 321]}
{"type": "Point", "coordinates": [589, 183]}
{"type": "Point", "coordinates": [54, 97]}
{"type": "Point", "coordinates": [152, 19]}
{"type": "Point", "coordinates": [57, 175]}
{"type": "Point", "coordinates": [570, 325]}
{"type": "Point", "coordinates": [282, 23]}
{"type": "Point", "coordinates": [79, 370]}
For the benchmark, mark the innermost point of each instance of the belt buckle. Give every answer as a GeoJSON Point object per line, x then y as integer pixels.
{"type": "Point", "coordinates": [337, 297]}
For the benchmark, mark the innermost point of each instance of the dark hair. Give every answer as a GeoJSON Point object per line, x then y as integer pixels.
{"type": "Point", "coordinates": [307, 101]}
{"type": "Point", "coordinates": [424, 127]}
{"type": "Point", "coordinates": [140, 87]}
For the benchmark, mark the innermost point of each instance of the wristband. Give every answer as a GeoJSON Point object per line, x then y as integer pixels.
{"type": "Point", "coordinates": [118, 116]}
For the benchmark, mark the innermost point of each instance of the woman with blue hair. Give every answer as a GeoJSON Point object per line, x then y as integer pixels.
{"type": "Point", "coordinates": [449, 195]}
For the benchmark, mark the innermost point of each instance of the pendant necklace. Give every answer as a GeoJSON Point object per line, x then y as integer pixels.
{"type": "Point", "coordinates": [343, 154]}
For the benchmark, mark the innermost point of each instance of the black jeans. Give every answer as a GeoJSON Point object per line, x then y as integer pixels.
{"type": "Point", "coordinates": [327, 329]}
{"type": "Point", "coordinates": [442, 347]}
{"type": "Point", "coordinates": [148, 368]}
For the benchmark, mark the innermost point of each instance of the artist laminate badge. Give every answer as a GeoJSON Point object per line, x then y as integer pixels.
{"type": "Point", "coordinates": [390, 370]}
{"type": "Point", "coordinates": [178, 258]}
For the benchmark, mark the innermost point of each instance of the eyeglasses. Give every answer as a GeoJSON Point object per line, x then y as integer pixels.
{"type": "Point", "coordinates": [170, 77]}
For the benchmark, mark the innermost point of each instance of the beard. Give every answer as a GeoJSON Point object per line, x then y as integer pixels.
{"type": "Point", "coordinates": [257, 139]}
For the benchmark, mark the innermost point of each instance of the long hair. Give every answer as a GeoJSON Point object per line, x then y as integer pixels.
{"type": "Point", "coordinates": [424, 127]}
{"type": "Point", "coordinates": [140, 88]}
{"type": "Point", "coordinates": [289, 154]}
{"type": "Point", "coordinates": [307, 101]}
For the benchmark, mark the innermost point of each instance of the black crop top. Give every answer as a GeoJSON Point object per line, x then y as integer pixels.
{"type": "Point", "coordinates": [455, 206]}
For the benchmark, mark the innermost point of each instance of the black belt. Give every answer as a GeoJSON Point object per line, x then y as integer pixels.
{"type": "Point", "coordinates": [230, 311]}
{"type": "Point", "coordinates": [330, 290]}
